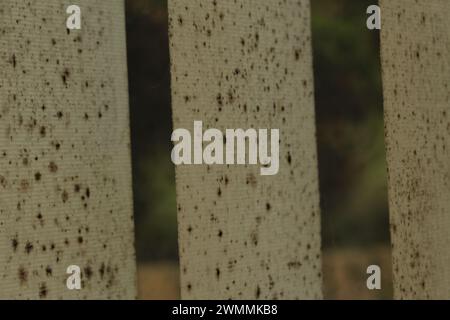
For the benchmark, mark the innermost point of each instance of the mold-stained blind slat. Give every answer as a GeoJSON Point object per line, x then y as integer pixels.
{"type": "Point", "coordinates": [415, 42]}
{"type": "Point", "coordinates": [65, 183]}
{"type": "Point", "coordinates": [243, 64]}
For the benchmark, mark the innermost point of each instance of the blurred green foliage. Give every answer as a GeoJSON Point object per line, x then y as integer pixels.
{"type": "Point", "coordinates": [349, 119]}
{"type": "Point", "coordinates": [151, 127]}
{"type": "Point", "coordinates": [350, 132]}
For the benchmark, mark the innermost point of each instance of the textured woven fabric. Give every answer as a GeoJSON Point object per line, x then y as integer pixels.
{"type": "Point", "coordinates": [247, 64]}
{"type": "Point", "coordinates": [65, 186]}
{"type": "Point", "coordinates": [415, 42]}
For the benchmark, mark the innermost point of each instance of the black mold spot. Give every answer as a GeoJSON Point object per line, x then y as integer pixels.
{"type": "Point", "coordinates": [52, 167]}
{"type": "Point", "coordinates": [13, 60]}
{"type": "Point", "coordinates": [65, 196]}
{"type": "Point", "coordinates": [88, 272]}
{"type": "Point", "coordinates": [43, 290]}
{"type": "Point", "coordinates": [3, 181]}
{"type": "Point", "coordinates": [258, 292]}
{"type": "Point", "coordinates": [14, 244]}
{"type": "Point", "coordinates": [65, 76]}
{"type": "Point", "coordinates": [42, 131]}
{"type": "Point", "coordinates": [217, 273]}
{"type": "Point", "coordinates": [254, 238]}
{"type": "Point", "coordinates": [102, 270]}
{"type": "Point", "coordinates": [219, 99]}
{"type": "Point", "coordinates": [251, 180]}
{"type": "Point", "coordinates": [23, 275]}
{"type": "Point", "coordinates": [294, 265]}
{"type": "Point", "coordinates": [28, 247]}
{"type": "Point", "coordinates": [289, 158]}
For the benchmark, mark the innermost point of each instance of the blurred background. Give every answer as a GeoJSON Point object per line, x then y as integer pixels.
{"type": "Point", "coordinates": [352, 168]}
